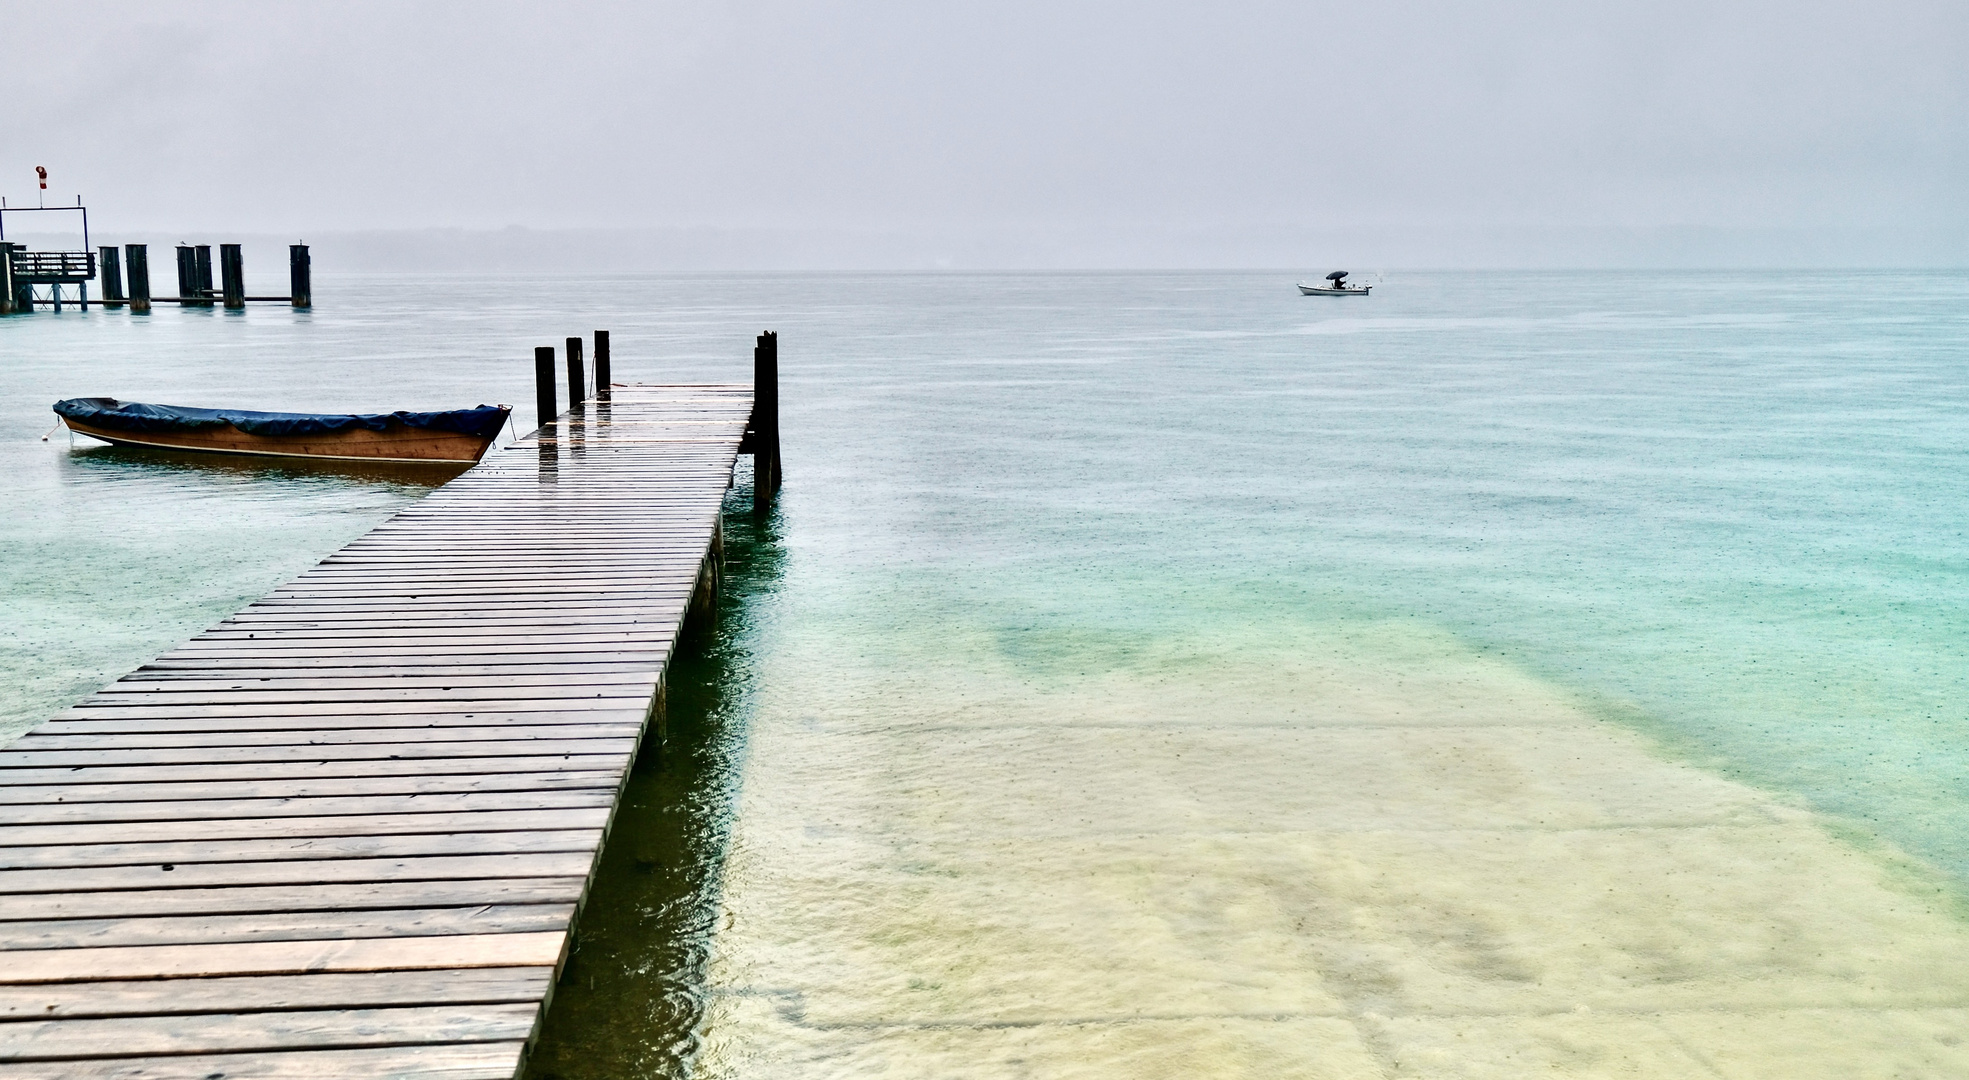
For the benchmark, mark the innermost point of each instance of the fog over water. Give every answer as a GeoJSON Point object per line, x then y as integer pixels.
{"type": "Point", "coordinates": [1017, 134]}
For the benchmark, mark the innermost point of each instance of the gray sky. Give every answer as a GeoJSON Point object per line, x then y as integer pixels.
{"type": "Point", "coordinates": [955, 119]}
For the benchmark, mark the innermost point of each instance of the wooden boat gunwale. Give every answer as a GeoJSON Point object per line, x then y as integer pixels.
{"type": "Point", "coordinates": [270, 446]}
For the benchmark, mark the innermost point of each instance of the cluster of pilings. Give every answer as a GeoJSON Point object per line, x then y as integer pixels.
{"type": "Point", "coordinates": [761, 435]}
{"type": "Point", "coordinates": [19, 274]}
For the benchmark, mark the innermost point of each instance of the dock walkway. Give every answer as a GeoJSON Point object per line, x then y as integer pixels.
{"type": "Point", "coordinates": [345, 833]}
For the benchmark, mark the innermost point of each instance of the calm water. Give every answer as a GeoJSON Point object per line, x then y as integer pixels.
{"type": "Point", "coordinates": [1726, 510]}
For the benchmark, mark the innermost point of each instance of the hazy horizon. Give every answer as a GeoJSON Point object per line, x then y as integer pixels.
{"type": "Point", "coordinates": [1021, 135]}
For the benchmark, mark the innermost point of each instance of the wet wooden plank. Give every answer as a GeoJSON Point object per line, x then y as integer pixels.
{"type": "Point", "coordinates": [223, 1032]}
{"type": "Point", "coordinates": [322, 990]}
{"type": "Point", "coordinates": [302, 925]}
{"type": "Point", "coordinates": [269, 899]}
{"type": "Point", "coordinates": [441, 1061]}
{"type": "Point", "coordinates": [297, 872]}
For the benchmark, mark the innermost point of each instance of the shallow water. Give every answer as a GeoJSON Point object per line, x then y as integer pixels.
{"type": "Point", "coordinates": [1108, 603]}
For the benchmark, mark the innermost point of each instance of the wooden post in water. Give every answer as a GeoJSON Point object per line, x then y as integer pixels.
{"type": "Point", "coordinates": [601, 365]}
{"type": "Point", "coordinates": [543, 384]}
{"type": "Point", "coordinates": [203, 265]}
{"type": "Point", "coordinates": [112, 271]}
{"type": "Point", "coordinates": [765, 420]}
{"type": "Point", "coordinates": [6, 279]}
{"type": "Point", "coordinates": [232, 276]}
{"type": "Point", "coordinates": [187, 276]}
{"type": "Point", "coordinates": [138, 256]}
{"type": "Point", "coordinates": [577, 389]}
{"type": "Point", "coordinates": [298, 276]}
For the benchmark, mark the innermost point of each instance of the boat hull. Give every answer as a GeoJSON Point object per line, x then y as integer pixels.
{"type": "Point", "coordinates": [1314, 290]}
{"type": "Point", "coordinates": [397, 443]}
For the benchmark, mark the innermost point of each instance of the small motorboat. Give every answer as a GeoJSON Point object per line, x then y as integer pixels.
{"type": "Point", "coordinates": [460, 436]}
{"type": "Point", "coordinates": [1337, 286]}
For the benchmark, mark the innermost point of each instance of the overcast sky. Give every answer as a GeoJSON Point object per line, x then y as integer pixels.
{"type": "Point", "coordinates": [938, 116]}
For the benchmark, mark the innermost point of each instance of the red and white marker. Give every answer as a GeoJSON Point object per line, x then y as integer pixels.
{"type": "Point", "coordinates": [43, 174]}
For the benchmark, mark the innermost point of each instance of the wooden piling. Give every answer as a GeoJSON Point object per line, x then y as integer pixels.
{"type": "Point", "coordinates": [298, 275]}
{"type": "Point", "coordinates": [765, 420]}
{"type": "Point", "coordinates": [187, 276]}
{"type": "Point", "coordinates": [601, 365]}
{"type": "Point", "coordinates": [6, 279]}
{"type": "Point", "coordinates": [543, 384]}
{"type": "Point", "coordinates": [577, 386]}
{"type": "Point", "coordinates": [138, 256]}
{"type": "Point", "coordinates": [202, 264]}
{"type": "Point", "coordinates": [232, 276]}
{"type": "Point", "coordinates": [110, 266]}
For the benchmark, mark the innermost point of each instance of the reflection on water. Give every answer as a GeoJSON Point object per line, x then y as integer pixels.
{"type": "Point", "coordinates": [277, 476]}
{"type": "Point", "coordinates": [632, 998]}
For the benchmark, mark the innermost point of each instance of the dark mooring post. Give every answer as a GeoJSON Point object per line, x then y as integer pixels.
{"type": "Point", "coordinates": [765, 420]}
{"type": "Point", "coordinates": [297, 274]}
{"type": "Point", "coordinates": [203, 262]}
{"type": "Point", "coordinates": [111, 268]}
{"type": "Point", "coordinates": [187, 276]}
{"type": "Point", "coordinates": [543, 384]}
{"type": "Point", "coordinates": [232, 277]}
{"type": "Point", "coordinates": [138, 256]}
{"type": "Point", "coordinates": [601, 365]}
{"type": "Point", "coordinates": [6, 279]}
{"type": "Point", "coordinates": [577, 388]}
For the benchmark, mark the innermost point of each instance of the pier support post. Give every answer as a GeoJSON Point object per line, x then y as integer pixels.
{"type": "Point", "coordinates": [298, 275]}
{"type": "Point", "coordinates": [765, 420]}
{"type": "Point", "coordinates": [6, 279]}
{"type": "Point", "coordinates": [138, 256]}
{"type": "Point", "coordinates": [601, 365]}
{"type": "Point", "coordinates": [577, 389]}
{"type": "Point", "coordinates": [111, 267]}
{"type": "Point", "coordinates": [232, 276]}
{"type": "Point", "coordinates": [202, 264]}
{"type": "Point", "coordinates": [187, 276]}
{"type": "Point", "coordinates": [543, 384]}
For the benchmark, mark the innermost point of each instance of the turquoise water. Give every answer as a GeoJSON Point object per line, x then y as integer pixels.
{"type": "Point", "coordinates": [1726, 510]}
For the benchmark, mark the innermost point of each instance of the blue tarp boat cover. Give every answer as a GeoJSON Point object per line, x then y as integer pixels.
{"type": "Point", "coordinates": [484, 421]}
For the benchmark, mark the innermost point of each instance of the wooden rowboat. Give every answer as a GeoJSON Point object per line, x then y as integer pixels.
{"type": "Point", "coordinates": [460, 436]}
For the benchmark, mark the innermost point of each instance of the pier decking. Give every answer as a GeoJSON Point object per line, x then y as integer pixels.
{"type": "Point", "coordinates": [345, 832]}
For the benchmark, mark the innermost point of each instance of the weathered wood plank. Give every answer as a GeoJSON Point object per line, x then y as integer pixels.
{"type": "Point", "coordinates": [220, 1033]}
{"type": "Point", "coordinates": [442, 1061]}
{"type": "Point", "coordinates": [271, 899]}
{"type": "Point", "coordinates": [302, 925]}
{"type": "Point", "coordinates": [282, 957]}
{"type": "Point", "coordinates": [165, 997]}
{"type": "Point", "coordinates": [17, 815]}
{"type": "Point", "coordinates": [410, 785]}
{"type": "Point", "coordinates": [204, 830]}
{"type": "Point", "coordinates": [298, 872]}
{"type": "Point", "coordinates": [173, 853]}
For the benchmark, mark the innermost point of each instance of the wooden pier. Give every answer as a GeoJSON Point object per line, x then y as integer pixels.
{"type": "Point", "coordinates": [346, 832]}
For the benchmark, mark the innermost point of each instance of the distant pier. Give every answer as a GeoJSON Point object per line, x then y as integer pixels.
{"type": "Point", "coordinates": [30, 279]}
{"type": "Point", "coordinates": [347, 831]}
